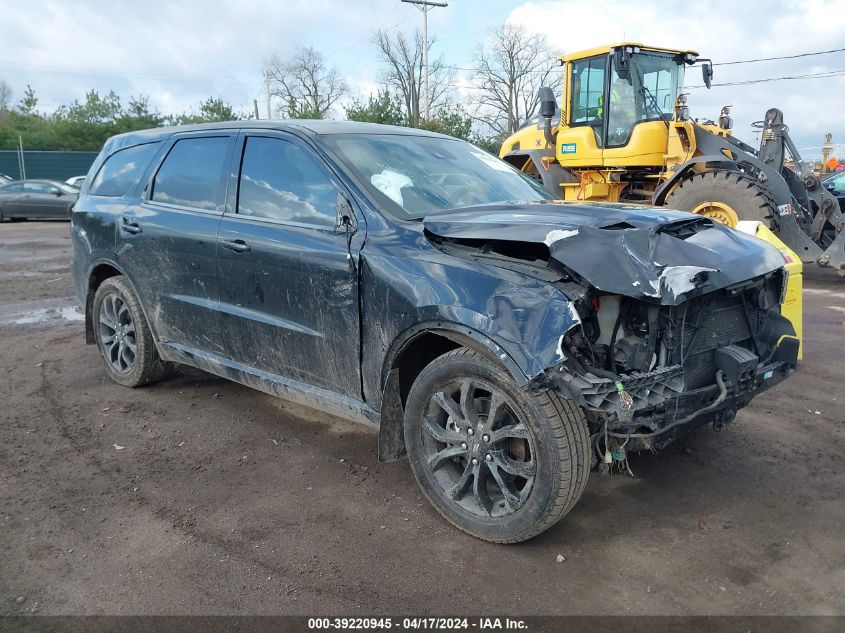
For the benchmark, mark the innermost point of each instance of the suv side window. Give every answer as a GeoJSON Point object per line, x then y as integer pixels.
{"type": "Point", "coordinates": [12, 186]}
{"type": "Point", "coordinates": [192, 175]}
{"type": "Point", "coordinates": [281, 181]}
{"type": "Point", "coordinates": [122, 170]}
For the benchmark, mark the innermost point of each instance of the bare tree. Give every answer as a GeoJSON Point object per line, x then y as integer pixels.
{"type": "Point", "coordinates": [403, 73]}
{"type": "Point", "coordinates": [5, 95]}
{"type": "Point", "coordinates": [307, 87]}
{"type": "Point", "coordinates": [509, 70]}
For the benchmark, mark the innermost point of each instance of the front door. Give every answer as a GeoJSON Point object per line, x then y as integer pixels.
{"type": "Point", "coordinates": [168, 241]}
{"type": "Point", "coordinates": [43, 200]}
{"type": "Point", "coordinates": [288, 286]}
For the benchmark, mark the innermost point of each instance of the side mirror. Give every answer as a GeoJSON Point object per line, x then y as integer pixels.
{"type": "Point", "coordinates": [622, 63]}
{"type": "Point", "coordinates": [58, 193]}
{"type": "Point", "coordinates": [344, 215]}
{"type": "Point", "coordinates": [707, 73]}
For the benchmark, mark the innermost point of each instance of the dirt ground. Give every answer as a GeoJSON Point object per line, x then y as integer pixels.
{"type": "Point", "coordinates": [200, 496]}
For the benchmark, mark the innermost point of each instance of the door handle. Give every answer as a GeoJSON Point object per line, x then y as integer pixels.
{"type": "Point", "coordinates": [237, 246]}
{"type": "Point", "coordinates": [129, 224]}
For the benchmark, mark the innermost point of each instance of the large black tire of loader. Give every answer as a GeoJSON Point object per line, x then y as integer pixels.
{"type": "Point", "coordinates": [741, 192]}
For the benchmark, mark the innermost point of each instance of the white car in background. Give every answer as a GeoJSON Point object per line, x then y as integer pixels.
{"type": "Point", "coordinates": [75, 181]}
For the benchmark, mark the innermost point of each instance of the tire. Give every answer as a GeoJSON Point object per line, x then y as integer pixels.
{"type": "Point", "coordinates": [742, 193]}
{"type": "Point", "coordinates": [537, 444]}
{"type": "Point", "coordinates": [120, 325]}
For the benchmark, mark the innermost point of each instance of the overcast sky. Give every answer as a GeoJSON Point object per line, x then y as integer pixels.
{"type": "Point", "coordinates": [180, 52]}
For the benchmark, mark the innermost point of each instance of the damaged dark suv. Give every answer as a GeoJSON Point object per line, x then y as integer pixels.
{"type": "Point", "coordinates": [505, 342]}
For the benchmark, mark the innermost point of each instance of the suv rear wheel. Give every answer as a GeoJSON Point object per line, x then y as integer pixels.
{"type": "Point", "coordinates": [496, 461]}
{"type": "Point", "coordinates": [123, 336]}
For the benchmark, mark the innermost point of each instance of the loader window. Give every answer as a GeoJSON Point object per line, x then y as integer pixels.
{"type": "Point", "coordinates": [648, 94]}
{"type": "Point", "coordinates": [587, 94]}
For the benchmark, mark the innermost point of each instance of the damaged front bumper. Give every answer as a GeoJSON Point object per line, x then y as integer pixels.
{"type": "Point", "coordinates": [652, 409]}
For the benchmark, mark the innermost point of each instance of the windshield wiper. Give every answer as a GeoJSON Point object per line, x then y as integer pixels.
{"type": "Point", "coordinates": [647, 95]}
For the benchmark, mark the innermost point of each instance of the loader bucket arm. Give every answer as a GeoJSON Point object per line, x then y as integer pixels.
{"type": "Point", "coordinates": [817, 210]}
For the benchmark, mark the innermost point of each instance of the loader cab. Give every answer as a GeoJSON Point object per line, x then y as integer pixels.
{"type": "Point", "coordinates": [618, 104]}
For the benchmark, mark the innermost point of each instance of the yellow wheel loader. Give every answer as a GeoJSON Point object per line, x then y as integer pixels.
{"type": "Point", "coordinates": [623, 133]}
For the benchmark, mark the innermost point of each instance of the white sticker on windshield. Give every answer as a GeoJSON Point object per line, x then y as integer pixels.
{"type": "Point", "coordinates": [491, 161]}
{"type": "Point", "coordinates": [390, 183]}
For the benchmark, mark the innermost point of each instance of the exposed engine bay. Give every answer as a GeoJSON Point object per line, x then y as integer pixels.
{"type": "Point", "coordinates": [675, 324]}
{"type": "Point", "coordinates": [644, 369]}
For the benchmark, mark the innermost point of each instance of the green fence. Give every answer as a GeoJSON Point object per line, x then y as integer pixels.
{"type": "Point", "coordinates": [51, 165]}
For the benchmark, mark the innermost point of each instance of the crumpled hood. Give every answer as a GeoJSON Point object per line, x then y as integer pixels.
{"type": "Point", "coordinates": [640, 252]}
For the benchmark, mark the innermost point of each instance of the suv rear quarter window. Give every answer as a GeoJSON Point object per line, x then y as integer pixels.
{"type": "Point", "coordinates": [121, 170]}
{"type": "Point", "coordinates": [192, 175]}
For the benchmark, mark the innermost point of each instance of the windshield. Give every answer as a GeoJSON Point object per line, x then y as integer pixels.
{"type": "Point", "coordinates": [658, 78]}
{"type": "Point", "coordinates": [413, 176]}
{"type": "Point", "coordinates": [647, 94]}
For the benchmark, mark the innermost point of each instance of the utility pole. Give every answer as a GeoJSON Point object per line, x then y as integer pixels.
{"type": "Point", "coordinates": [425, 6]}
{"type": "Point", "coordinates": [267, 92]}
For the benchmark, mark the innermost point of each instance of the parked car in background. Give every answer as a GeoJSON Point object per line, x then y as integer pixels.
{"type": "Point", "coordinates": [37, 199]}
{"type": "Point", "coordinates": [836, 185]}
{"type": "Point", "coordinates": [506, 342]}
{"type": "Point", "coordinates": [75, 181]}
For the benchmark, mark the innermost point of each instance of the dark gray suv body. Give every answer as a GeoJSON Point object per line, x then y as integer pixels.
{"type": "Point", "coordinates": [410, 281]}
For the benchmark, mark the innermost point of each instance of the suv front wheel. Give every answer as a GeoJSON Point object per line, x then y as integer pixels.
{"type": "Point", "coordinates": [498, 462]}
{"type": "Point", "coordinates": [123, 335]}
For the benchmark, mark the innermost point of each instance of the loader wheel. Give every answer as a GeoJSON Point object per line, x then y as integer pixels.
{"type": "Point", "coordinates": [724, 196]}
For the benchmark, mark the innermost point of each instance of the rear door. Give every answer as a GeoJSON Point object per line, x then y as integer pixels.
{"type": "Point", "coordinates": [288, 287]}
{"type": "Point", "coordinates": [167, 242]}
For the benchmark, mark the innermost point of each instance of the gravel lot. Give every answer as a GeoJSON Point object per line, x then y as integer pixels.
{"type": "Point", "coordinates": [200, 496]}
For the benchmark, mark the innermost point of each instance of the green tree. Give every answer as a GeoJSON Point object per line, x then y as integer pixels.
{"type": "Point", "coordinates": [26, 106]}
{"type": "Point", "coordinates": [381, 108]}
{"type": "Point", "coordinates": [218, 110]}
{"type": "Point", "coordinates": [211, 110]}
{"type": "Point", "coordinates": [301, 111]}
{"type": "Point", "coordinates": [78, 126]}
{"type": "Point", "coordinates": [139, 115]}
{"type": "Point", "coordinates": [490, 144]}
{"type": "Point", "coordinates": [96, 109]}
{"type": "Point", "coordinates": [451, 120]}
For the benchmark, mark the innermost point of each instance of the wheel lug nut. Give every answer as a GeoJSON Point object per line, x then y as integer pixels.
{"type": "Point", "coordinates": [485, 437]}
{"type": "Point", "coordinates": [470, 432]}
{"type": "Point", "coordinates": [489, 457]}
{"type": "Point", "coordinates": [464, 445]}
{"type": "Point", "coordinates": [474, 461]}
